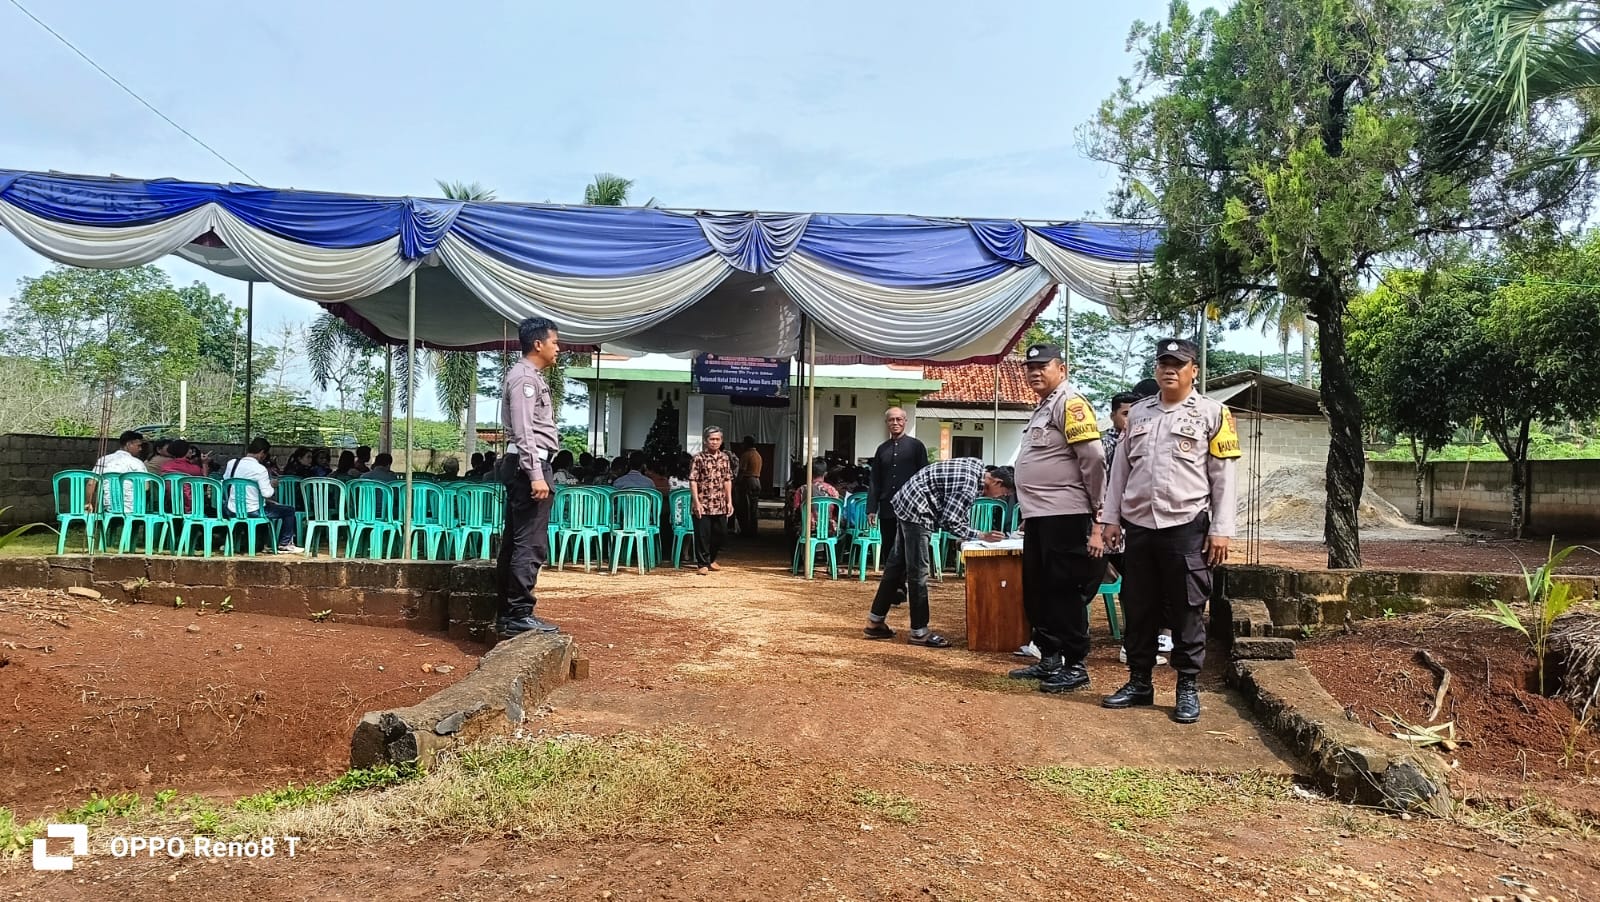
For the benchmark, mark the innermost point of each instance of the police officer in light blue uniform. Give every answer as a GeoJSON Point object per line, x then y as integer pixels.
{"type": "Point", "coordinates": [530, 424]}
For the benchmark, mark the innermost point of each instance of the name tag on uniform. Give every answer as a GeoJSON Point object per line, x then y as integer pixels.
{"type": "Point", "coordinates": [1188, 430]}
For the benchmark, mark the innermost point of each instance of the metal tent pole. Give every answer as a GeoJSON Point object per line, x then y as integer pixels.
{"type": "Point", "coordinates": [249, 355]}
{"type": "Point", "coordinates": [811, 432]}
{"type": "Point", "coordinates": [994, 437]}
{"type": "Point", "coordinates": [1203, 342]}
{"type": "Point", "coordinates": [411, 397]}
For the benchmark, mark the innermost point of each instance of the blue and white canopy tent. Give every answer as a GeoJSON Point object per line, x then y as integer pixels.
{"type": "Point", "coordinates": [453, 274]}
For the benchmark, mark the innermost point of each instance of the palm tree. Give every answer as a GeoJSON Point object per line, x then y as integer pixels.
{"type": "Point", "coordinates": [455, 373]}
{"type": "Point", "coordinates": [1287, 316]}
{"type": "Point", "coordinates": [1518, 54]}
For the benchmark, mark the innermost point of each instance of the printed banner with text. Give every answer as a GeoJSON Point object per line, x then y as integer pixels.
{"type": "Point", "coordinates": [741, 377]}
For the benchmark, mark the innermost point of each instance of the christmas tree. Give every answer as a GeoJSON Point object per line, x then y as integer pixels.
{"type": "Point", "coordinates": [661, 444]}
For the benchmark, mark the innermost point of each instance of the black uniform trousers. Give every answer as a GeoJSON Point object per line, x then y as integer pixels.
{"type": "Point", "coordinates": [1166, 584]}
{"type": "Point", "coordinates": [525, 544]}
{"type": "Point", "coordinates": [1059, 579]}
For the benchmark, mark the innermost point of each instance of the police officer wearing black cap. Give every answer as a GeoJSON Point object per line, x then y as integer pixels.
{"type": "Point", "coordinates": [1172, 497]}
{"type": "Point", "coordinates": [1061, 477]}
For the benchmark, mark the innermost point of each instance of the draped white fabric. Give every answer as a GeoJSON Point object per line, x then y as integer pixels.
{"type": "Point", "coordinates": [586, 310]}
{"type": "Point", "coordinates": [940, 323]}
{"type": "Point", "coordinates": [323, 274]}
{"type": "Point", "coordinates": [1102, 281]}
{"type": "Point", "coordinates": [100, 247]}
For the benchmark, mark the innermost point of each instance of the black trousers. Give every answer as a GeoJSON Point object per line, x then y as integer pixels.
{"type": "Point", "coordinates": [1167, 584]}
{"type": "Point", "coordinates": [906, 567]}
{"type": "Point", "coordinates": [1059, 579]}
{"type": "Point", "coordinates": [710, 534]}
{"type": "Point", "coordinates": [525, 544]}
{"type": "Point", "coordinates": [747, 498]}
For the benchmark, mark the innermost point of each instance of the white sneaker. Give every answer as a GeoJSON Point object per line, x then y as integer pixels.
{"type": "Point", "coordinates": [1027, 651]}
{"type": "Point", "coordinates": [291, 548]}
{"type": "Point", "coordinates": [1161, 660]}
{"type": "Point", "coordinates": [1164, 642]}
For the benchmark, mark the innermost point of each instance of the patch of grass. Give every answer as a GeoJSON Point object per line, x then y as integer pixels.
{"type": "Point", "coordinates": [887, 805]}
{"type": "Point", "coordinates": [1532, 814]}
{"type": "Point", "coordinates": [357, 780]}
{"type": "Point", "coordinates": [569, 788]}
{"type": "Point", "coordinates": [37, 542]}
{"type": "Point", "coordinates": [1125, 796]}
{"type": "Point", "coordinates": [15, 837]}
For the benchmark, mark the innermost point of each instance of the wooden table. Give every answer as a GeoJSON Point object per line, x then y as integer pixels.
{"type": "Point", "coordinates": [995, 619]}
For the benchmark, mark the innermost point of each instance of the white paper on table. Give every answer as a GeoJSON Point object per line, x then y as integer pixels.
{"type": "Point", "coordinates": [1012, 543]}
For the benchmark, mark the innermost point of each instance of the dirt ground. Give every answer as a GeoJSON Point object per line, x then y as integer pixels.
{"type": "Point", "coordinates": [1515, 740]}
{"type": "Point", "coordinates": [103, 698]}
{"type": "Point", "coordinates": [754, 656]}
{"type": "Point", "coordinates": [1446, 554]}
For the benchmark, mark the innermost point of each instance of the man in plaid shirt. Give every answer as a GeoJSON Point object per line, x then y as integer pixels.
{"type": "Point", "coordinates": [938, 497]}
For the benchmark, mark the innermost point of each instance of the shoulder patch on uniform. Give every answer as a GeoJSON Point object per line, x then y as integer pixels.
{"type": "Point", "coordinates": [1225, 444]}
{"type": "Point", "coordinates": [1077, 421]}
{"type": "Point", "coordinates": [528, 390]}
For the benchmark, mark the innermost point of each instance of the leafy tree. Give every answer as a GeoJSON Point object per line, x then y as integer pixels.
{"type": "Point", "coordinates": [1406, 358]}
{"type": "Point", "coordinates": [1106, 355]}
{"type": "Point", "coordinates": [1278, 144]}
{"type": "Point", "coordinates": [455, 373]}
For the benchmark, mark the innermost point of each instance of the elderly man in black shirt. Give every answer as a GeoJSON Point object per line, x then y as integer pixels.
{"type": "Point", "coordinates": [893, 465]}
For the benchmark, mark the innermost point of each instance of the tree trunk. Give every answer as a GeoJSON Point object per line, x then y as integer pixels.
{"type": "Point", "coordinates": [1346, 459]}
{"type": "Point", "coordinates": [1419, 463]}
{"type": "Point", "coordinates": [386, 428]}
{"type": "Point", "coordinates": [1305, 354]}
{"type": "Point", "coordinates": [1519, 482]}
{"type": "Point", "coordinates": [469, 417]}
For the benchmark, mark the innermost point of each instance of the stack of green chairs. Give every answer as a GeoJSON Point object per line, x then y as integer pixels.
{"type": "Point", "coordinates": [681, 504]}
{"type": "Point", "coordinates": [74, 508]}
{"type": "Point", "coordinates": [288, 492]}
{"type": "Point", "coordinates": [988, 515]}
{"type": "Point", "coordinates": [323, 497]}
{"type": "Point", "coordinates": [432, 520]}
{"type": "Point", "coordinates": [823, 536]}
{"type": "Point", "coordinates": [203, 512]}
{"type": "Point", "coordinates": [635, 528]}
{"type": "Point", "coordinates": [478, 514]}
{"type": "Point", "coordinates": [134, 499]}
{"type": "Point", "coordinates": [560, 517]}
{"type": "Point", "coordinates": [865, 538]}
{"type": "Point", "coordinates": [588, 522]}
{"type": "Point", "coordinates": [372, 514]}
{"type": "Point", "coordinates": [172, 491]}
{"type": "Point", "coordinates": [237, 493]}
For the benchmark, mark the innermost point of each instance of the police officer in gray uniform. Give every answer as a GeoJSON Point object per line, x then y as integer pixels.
{"type": "Point", "coordinates": [532, 438]}
{"type": "Point", "coordinates": [1061, 476]}
{"type": "Point", "coordinates": [1172, 497]}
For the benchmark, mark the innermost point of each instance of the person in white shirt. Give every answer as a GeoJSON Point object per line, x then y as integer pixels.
{"type": "Point", "coordinates": [635, 478]}
{"type": "Point", "coordinates": [125, 459]}
{"type": "Point", "coordinates": [253, 467]}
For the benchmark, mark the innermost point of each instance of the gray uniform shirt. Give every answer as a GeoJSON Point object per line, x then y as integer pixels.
{"type": "Point", "coordinates": [1175, 463]}
{"type": "Point", "coordinates": [528, 416]}
{"type": "Point", "coordinates": [1061, 468]}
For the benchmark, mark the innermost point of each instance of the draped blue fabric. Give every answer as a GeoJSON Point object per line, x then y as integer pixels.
{"type": "Point", "coordinates": [1117, 242]}
{"type": "Point", "coordinates": [583, 241]}
{"type": "Point", "coordinates": [426, 224]}
{"type": "Point", "coordinates": [901, 251]}
{"type": "Point", "coordinates": [317, 219]}
{"type": "Point", "coordinates": [754, 242]}
{"type": "Point", "coordinates": [84, 200]}
{"type": "Point", "coordinates": [1005, 238]}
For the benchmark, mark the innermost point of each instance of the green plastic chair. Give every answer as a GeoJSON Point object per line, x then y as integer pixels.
{"type": "Point", "coordinates": [204, 496]}
{"type": "Point", "coordinates": [588, 522]}
{"type": "Point", "coordinates": [477, 513]}
{"type": "Point", "coordinates": [635, 515]}
{"type": "Point", "coordinates": [74, 508]}
{"type": "Point", "coordinates": [987, 515]}
{"type": "Point", "coordinates": [324, 499]}
{"type": "Point", "coordinates": [681, 505]}
{"type": "Point", "coordinates": [560, 517]}
{"type": "Point", "coordinates": [1108, 593]}
{"type": "Point", "coordinates": [289, 491]}
{"type": "Point", "coordinates": [372, 513]}
{"type": "Point", "coordinates": [134, 499]}
{"type": "Point", "coordinates": [237, 492]}
{"type": "Point", "coordinates": [431, 520]}
{"type": "Point", "coordinates": [866, 538]}
{"type": "Point", "coordinates": [823, 536]}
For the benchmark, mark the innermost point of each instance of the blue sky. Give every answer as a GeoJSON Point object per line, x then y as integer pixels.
{"type": "Point", "coordinates": [927, 107]}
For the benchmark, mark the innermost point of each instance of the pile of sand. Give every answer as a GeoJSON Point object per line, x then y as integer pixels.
{"type": "Point", "coordinates": [1292, 500]}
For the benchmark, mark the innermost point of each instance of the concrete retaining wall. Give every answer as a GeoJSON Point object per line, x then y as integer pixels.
{"type": "Point", "coordinates": [432, 595]}
{"type": "Point", "coordinates": [1563, 495]}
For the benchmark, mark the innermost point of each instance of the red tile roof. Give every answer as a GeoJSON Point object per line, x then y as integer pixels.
{"type": "Point", "coordinates": [974, 384]}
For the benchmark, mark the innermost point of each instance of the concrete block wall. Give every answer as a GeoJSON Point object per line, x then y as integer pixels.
{"type": "Point", "coordinates": [1564, 495]}
{"type": "Point", "coordinates": [1284, 441]}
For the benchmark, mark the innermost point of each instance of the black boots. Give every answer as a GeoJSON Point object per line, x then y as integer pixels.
{"type": "Point", "coordinates": [1048, 666]}
{"type": "Point", "coordinates": [1187, 709]}
{"type": "Point", "coordinates": [517, 623]}
{"type": "Point", "coordinates": [1067, 679]}
{"type": "Point", "coordinates": [1137, 691]}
